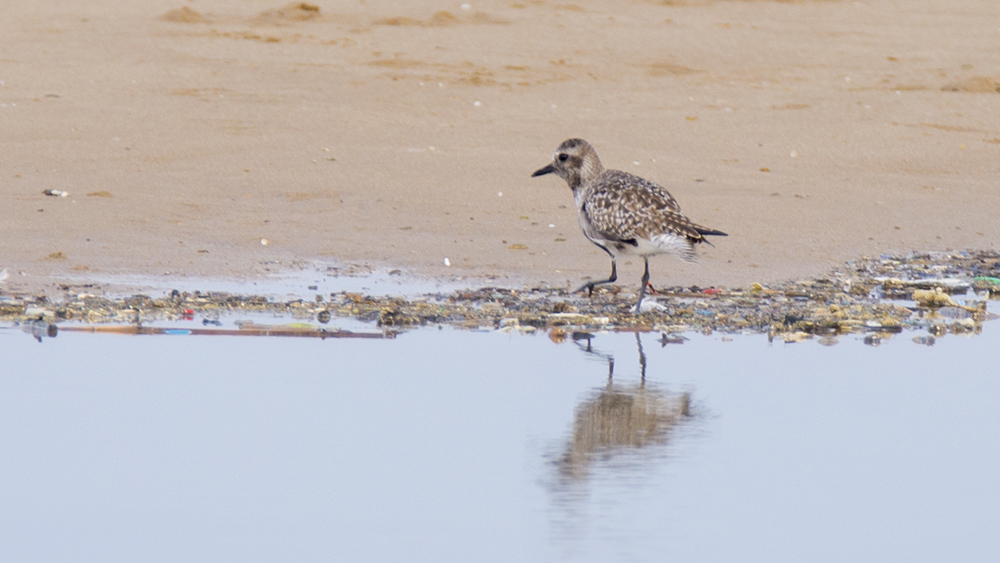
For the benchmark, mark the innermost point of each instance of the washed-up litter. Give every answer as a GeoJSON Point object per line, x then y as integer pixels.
{"type": "Point", "coordinates": [952, 284]}
{"type": "Point", "coordinates": [933, 298]}
{"type": "Point", "coordinates": [938, 293]}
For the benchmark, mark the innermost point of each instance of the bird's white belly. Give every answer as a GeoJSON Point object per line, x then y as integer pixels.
{"type": "Point", "coordinates": [659, 244]}
{"type": "Point", "coordinates": [664, 243]}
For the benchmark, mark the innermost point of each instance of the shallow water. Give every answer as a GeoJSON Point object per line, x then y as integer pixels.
{"type": "Point", "coordinates": [446, 445]}
{"type": "Point", "coordinates": [306, 282]}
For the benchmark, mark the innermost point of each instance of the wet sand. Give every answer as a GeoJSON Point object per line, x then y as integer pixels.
{"type": "Point", "coordinates": [382, 136]}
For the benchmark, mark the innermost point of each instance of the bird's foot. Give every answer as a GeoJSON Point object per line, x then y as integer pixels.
{"type": "Point", "coordinates": [589, 286]}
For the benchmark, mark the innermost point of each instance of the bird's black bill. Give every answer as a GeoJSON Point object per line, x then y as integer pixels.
{"type": "Point", "coordinates": [543, 171]}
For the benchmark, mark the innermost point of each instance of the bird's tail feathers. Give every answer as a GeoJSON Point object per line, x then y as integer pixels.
{"type": "Point", "coordinates": [676, 245]}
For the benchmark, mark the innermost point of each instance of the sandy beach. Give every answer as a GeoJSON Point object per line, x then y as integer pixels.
{"type": "Point", "coordinates": [386, 135]}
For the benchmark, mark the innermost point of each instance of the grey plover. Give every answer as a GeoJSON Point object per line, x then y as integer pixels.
{"type": "Point", "coordinates": [624, 214]}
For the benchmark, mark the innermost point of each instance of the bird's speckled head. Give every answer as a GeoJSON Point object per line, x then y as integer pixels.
{"type": "Point", "coordinates": [574, 161]}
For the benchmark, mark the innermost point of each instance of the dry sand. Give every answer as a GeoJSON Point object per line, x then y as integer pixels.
{"type": "Point", "coordinates": [382, 133]}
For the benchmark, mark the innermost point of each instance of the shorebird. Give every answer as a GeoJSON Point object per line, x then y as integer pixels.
{"type": "Point", "coordinates": [624, 214]}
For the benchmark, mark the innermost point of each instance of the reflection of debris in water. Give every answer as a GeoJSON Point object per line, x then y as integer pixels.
{"type": "Point", "coordinates": [40, 328]}
{"type": "Point", "coordinates": [671, 339]}
{"type": "Point", "coordinates": [620, 419]}
{"type": "Point", "coordinates": [247, 328]}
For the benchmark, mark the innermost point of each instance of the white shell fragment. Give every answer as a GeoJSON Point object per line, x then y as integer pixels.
{"type": "Point", "coordinates": [447, 262]}
{"type": "Point", "coordinates": [651, 306]}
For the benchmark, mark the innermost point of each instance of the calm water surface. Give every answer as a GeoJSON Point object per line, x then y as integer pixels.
{"type": "Point", "coordinates": [446, 445]}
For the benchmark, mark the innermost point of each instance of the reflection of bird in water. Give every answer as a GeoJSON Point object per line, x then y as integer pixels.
{"type": "Point", "coordinates": [620, 419]}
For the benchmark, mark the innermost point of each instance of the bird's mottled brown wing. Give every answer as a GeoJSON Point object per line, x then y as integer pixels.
{"type": "Point", "coordinates": [622, 207]}
{"type": "Point", "coordinates": [658, 195]}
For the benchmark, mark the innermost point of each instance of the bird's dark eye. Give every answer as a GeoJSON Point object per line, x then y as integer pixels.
{"type": "Point", "coordinates": [563, 157]}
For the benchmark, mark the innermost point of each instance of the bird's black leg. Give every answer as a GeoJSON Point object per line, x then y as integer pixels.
{"type": "Point", "coordinates": [642, 288]}
{"type": "Point", "coordinates": [589, 286]}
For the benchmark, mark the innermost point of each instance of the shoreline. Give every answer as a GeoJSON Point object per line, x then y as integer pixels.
{"type": "Point", "coordinates": [933, 293]}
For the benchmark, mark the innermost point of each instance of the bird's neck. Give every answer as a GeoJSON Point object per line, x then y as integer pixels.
{"type": "Point", "coordinates": [590, 169]}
